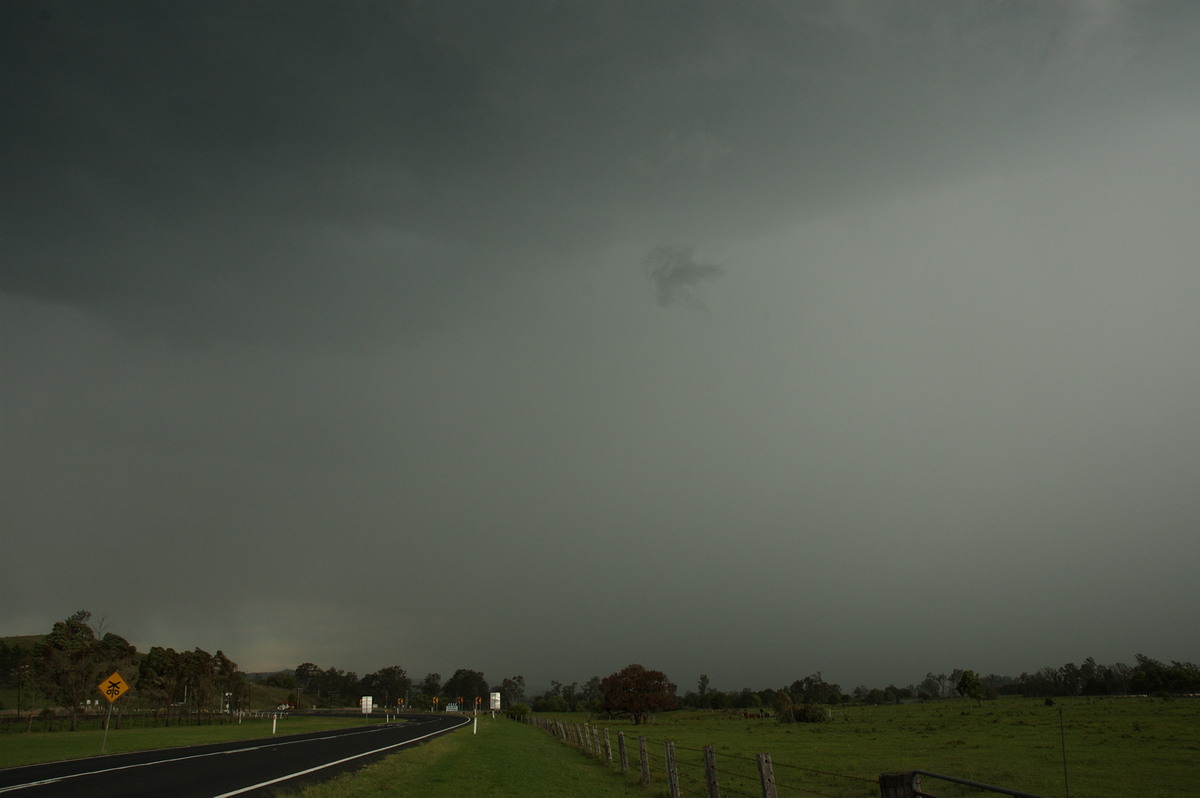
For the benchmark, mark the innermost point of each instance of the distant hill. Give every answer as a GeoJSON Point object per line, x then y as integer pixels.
{"type": "Point", "coordinates": [22, 641]}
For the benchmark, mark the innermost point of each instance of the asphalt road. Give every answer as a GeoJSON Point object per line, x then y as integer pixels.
{"type": "Point", "coordinates": [250, 767]}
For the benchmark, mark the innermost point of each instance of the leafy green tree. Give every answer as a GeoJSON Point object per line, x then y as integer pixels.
{"type": "Point", "coordinates": [813, 689]}
{"type": "Point", "coordinates": [467, 685]}
{"type": "Point", "coordinates": [431, 685]}
{"type": "Point", "coordinates": [970, 686]}
{"type": "Point", "coordinates": [591, 694]}
{"type": "Point", "coordinates": [308, 679]}
{"type": "Point", "coordinates": [199, 673]}
{"type": "Point", "coordinates": [341, 687]}
{"type": "Point", "coordinates": [11, 657]}
{"type": "Point", "coordinates": [875, 697]}
{"type": "Point", "coordinates": [230, 683]}
{"type": "Point", "coordinates": [1071, 678]}
{"type": "Point", "coordinates": [160, 677]}
{"type": "Point", "coordinates": [550, 703]}
{"type": "Point", "coordinates": [512, 690]}
{"type": "Point", "coordinates": [637, 691]}
{"type": "Point", "coordinates": [788, 711]}
{"type": "Point", "coordinates": [570, 694]}
{"type": "Point", "coordinates": [748, 699]}
{"type": "Point", "coordinates": [387, 685]}
{"type": "Point", "coordinates": [71, 660]}
{"type": "Point", "coordinates": [16, 669]}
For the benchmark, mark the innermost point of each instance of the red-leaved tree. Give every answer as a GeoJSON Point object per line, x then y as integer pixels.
{"type": "Point", "coordinates": [637, 692]}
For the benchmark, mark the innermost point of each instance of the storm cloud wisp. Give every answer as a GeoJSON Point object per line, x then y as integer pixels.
{"type": "Point", "coordinates": [674, 274]}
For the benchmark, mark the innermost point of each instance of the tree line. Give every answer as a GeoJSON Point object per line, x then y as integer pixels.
{"type": "Point", "coordinates": [67, 663]}
{"type": "Point", "coordinates": [313, 686]}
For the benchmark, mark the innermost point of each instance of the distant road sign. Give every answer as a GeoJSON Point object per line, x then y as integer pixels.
{"type": "Point", "coordinates": [113, 687]}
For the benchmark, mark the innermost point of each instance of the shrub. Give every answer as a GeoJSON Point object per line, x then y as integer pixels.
{"type": "Point", "coordinates": [805, 713]}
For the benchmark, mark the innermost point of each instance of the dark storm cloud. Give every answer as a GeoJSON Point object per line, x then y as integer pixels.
{"type": "Point", "coordinates": [273, 169]}
{"type": "Point", "coordinates": [312, 312]}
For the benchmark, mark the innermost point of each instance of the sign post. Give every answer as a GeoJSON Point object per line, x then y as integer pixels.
{"type": "Point", "coordinates": [365, 702]}
{"type": "Point", "coordinates": [112, 688]}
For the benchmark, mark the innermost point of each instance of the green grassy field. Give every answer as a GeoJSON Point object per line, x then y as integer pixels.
{"type": "Point", "coordinates": [18, 748]}
{"type": "Point", "coordinates": [1144, 747]}
{"type": "Point", "coordinates": [1125, 746]}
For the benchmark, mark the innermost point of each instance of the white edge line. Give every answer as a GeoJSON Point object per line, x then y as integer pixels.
{"type": "Point", "coordinates": [299, 773]}
{"type": "Point", "coordinates": [262, 742]}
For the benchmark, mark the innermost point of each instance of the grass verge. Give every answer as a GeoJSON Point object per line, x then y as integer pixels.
{"type": "Point", "coordinates": [31, 748]}
{"type": "Point", "coordinates": [504, 759]}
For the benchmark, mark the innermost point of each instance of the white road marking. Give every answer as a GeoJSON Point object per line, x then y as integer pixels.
{"type": "Point", "coordinates": [269, 744]}
{"type": "Point", "coordinates": [338, 762]}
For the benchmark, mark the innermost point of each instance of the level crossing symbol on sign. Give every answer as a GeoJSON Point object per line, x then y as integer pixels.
{"type": "Point", "coordinates": [113, 687]}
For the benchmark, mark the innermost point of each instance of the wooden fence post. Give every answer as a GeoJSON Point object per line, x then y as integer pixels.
{"type": "Point", "coordinates": [767, 776]}
{"type": "Point", "coordinates": [672, 770]}
{"type": "Point", "coordinates": [897, 785]}
{"type": "Point", "coordinates": [645, 757]}
{"type": "Point", "coordinates": [607, 747]}
{"type": "Point", "coordinates": [623, 752]}
{"type": "Point", "coordinates": [710, 772]}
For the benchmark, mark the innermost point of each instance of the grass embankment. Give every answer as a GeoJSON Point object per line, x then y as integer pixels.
{"type": "Point", "coordinates": [30, 748]}
{"type": "Point", "coordinates": [504, 759]}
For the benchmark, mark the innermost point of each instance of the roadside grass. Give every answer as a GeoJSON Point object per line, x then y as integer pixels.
{"type": "Point", "coordinates": [1120, 746]}
{"type": "Point", "coordinates": [505, 759]}
{"type": "Point", "coordinates": [31, 748]}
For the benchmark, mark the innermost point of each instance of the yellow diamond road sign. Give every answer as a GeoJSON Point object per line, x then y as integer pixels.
{"type": "Point", "coordinates": [113, 687]}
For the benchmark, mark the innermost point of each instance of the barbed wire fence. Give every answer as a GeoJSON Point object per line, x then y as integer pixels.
{"type": "Point", "coordinates": [694, 771]}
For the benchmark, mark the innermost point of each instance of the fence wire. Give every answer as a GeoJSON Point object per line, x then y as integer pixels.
{"type": "Point", "coordinates": [731, 779]}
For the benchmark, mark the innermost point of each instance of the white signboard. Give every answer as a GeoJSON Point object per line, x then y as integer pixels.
{"type": "Point", "coordinates": [495, 701]}
{"type": "Point", "coordinates": [365, 703]}
{"type": "Point", "coordinates": [452, 706]}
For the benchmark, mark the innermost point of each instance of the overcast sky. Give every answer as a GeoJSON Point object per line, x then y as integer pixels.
{"type": "Point", "coordinates": [750, 339]}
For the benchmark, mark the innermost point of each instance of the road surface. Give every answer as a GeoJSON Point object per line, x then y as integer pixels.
{"type": "Point", "coordinates": [247, 768]}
